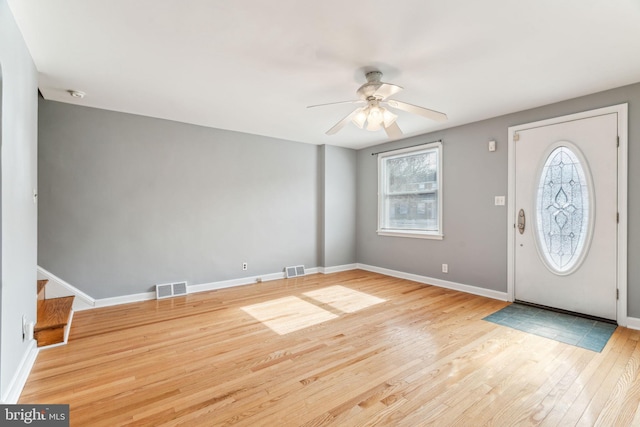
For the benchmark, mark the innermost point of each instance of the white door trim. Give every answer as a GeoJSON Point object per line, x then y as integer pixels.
{"type": "Point", "coordinates": [622, 113]}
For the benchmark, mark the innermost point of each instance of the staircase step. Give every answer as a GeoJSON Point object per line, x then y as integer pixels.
{"type": "Point", "coordinates": [53, 316]}
{"type": "Point", "coordinates": [41, 284]}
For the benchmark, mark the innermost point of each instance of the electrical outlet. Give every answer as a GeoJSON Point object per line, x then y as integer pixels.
{"type": "Point", "coordinates": [245, 266]}
{"type": "Point", "coordinates": [445, 268]}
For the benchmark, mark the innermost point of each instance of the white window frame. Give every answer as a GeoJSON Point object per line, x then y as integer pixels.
{"type": "Point", "coordinates": [419, 234]}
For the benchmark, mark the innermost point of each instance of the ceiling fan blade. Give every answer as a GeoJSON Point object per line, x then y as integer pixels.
{"type": "Point", "coordinates": [393, 131]}
{"type": "Point", "coordinates": [425, 112]}
{"type": "Point", "coordinates": [355, 101]}
{"type": "Point", "coordinates": [386, 90]}
{"type": "Point", "coordinates": [343, 122]}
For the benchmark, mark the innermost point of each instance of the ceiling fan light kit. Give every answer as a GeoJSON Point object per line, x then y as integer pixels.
{"type": "Point", "coordinates": [374, 116]}
{"type": "Point", "coordinates": [375, 92]}
{"type": "Point", "coordinates": [388, 117]}
{"type": "Point", "coordinates": [360, 117]}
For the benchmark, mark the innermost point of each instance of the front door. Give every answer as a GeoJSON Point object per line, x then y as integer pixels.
{"type": "Point", "coordinates": [565, 253]}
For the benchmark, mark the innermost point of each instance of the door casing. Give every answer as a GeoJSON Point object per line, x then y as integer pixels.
{"type": "Point", "coordinates": [622, 114]}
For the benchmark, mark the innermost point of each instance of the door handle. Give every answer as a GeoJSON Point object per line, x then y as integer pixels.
{"type": "Point", "coordinates": [521, 221]}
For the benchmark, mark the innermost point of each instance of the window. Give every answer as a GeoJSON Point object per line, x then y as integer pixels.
{"type": "Point", "coordinates": [409, 192]}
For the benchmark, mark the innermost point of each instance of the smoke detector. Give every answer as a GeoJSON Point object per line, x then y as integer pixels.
{"type": "Point", "coordinates": [76, 93]}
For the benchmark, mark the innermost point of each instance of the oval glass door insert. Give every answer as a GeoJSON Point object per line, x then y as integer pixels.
{"type": "Point", "coordinates": [563, 210]}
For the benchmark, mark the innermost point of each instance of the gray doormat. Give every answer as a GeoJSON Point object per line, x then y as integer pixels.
{"type": "Point", "coordinates": [575, 330]}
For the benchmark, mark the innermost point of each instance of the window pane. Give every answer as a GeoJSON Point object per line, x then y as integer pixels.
{"type": "Point", "coordinates": [413, 212]}
{"type": "Point", "coordinates": [413, 173]}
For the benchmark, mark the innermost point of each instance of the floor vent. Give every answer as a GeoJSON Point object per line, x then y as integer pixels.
{"type": "Point", "coordinates": [171, 290]}
{"type": "Point", "coordinates": [294, 271]}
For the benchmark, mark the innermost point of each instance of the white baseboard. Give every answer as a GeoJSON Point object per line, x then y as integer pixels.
{"type": "Point", "coordinates": [22, 374]}
{"type": "Point", "coordinates": [124, 299]}
{"type": "Point", "coordinates": [203, 287]}
{"type": "Point", "coordinates": [243, 281]}
{"type": "Point", "coordinates": [633, 323]}
{"type": "Point", "coordinates": [475, 290]}
{"type": "Point", "coordinates": [337, 268]}
{"type": "Point", "coordinates": [59, 288]}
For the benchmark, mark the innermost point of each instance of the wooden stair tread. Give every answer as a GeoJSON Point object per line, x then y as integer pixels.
{"type": "Point", "coordinates": [53, 313]}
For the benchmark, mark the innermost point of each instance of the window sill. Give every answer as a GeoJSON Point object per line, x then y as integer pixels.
{"type": "Point", "coordinates": [411, 234]}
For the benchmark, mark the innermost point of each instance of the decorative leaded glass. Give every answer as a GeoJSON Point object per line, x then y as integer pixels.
{"type": "Point", "coordinates": [563, 209]}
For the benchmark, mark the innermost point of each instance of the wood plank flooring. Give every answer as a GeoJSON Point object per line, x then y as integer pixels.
{"type": "Point", "coordinates": [344, 349]}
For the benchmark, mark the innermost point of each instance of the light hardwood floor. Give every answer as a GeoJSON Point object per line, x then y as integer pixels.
{"type": "Point", "coordinates": [343, 349]}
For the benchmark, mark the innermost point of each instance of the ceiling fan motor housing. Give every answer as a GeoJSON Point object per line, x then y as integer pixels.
{"type": "Point", "coordinates": [373, 76]}
{"type": "Point", "coordinates": [371, 87]}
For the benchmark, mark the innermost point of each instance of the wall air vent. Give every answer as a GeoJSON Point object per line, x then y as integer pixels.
{"type": "Point", "coordinates": [294, 271]}
{"type": "Point", "coordinates": [168, 290]}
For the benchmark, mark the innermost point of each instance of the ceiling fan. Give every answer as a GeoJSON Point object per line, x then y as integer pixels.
{"type": "Point", "coordinates": [374, 94]}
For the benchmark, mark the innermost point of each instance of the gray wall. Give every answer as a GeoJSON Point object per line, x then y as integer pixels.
{"type": "Point", "coordinates": [19, 213]}
{"type": "Point", "coordinates": [129, 201]}
{"type": "Point", "coordinates": [475, 242]}
{"type": "Point", "coordinates": [339, 206]}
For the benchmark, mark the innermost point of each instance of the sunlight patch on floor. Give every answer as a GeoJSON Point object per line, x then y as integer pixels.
{"type": "Point", "coordinates": [288, 314]}
{"type": "Point", "coordinates": [344, 299]}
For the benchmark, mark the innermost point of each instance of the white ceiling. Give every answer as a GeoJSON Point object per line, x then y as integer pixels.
{"type": "Point", "coordinates": [253, 66]}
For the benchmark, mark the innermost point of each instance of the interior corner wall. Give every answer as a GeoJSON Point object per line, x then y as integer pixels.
{"type": "Point", "coordinates": [127, 201]}
{"type": "Point", "coordinates": [339, 166]}
{"type": "Point", "coordinates": [475, 231]}
{"type": "Point", "coordinates": [0, 197]}
{"type": "Point", "coordinates": [321, 206]}
{"type": "Point", "coordinates": [19, 212]}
